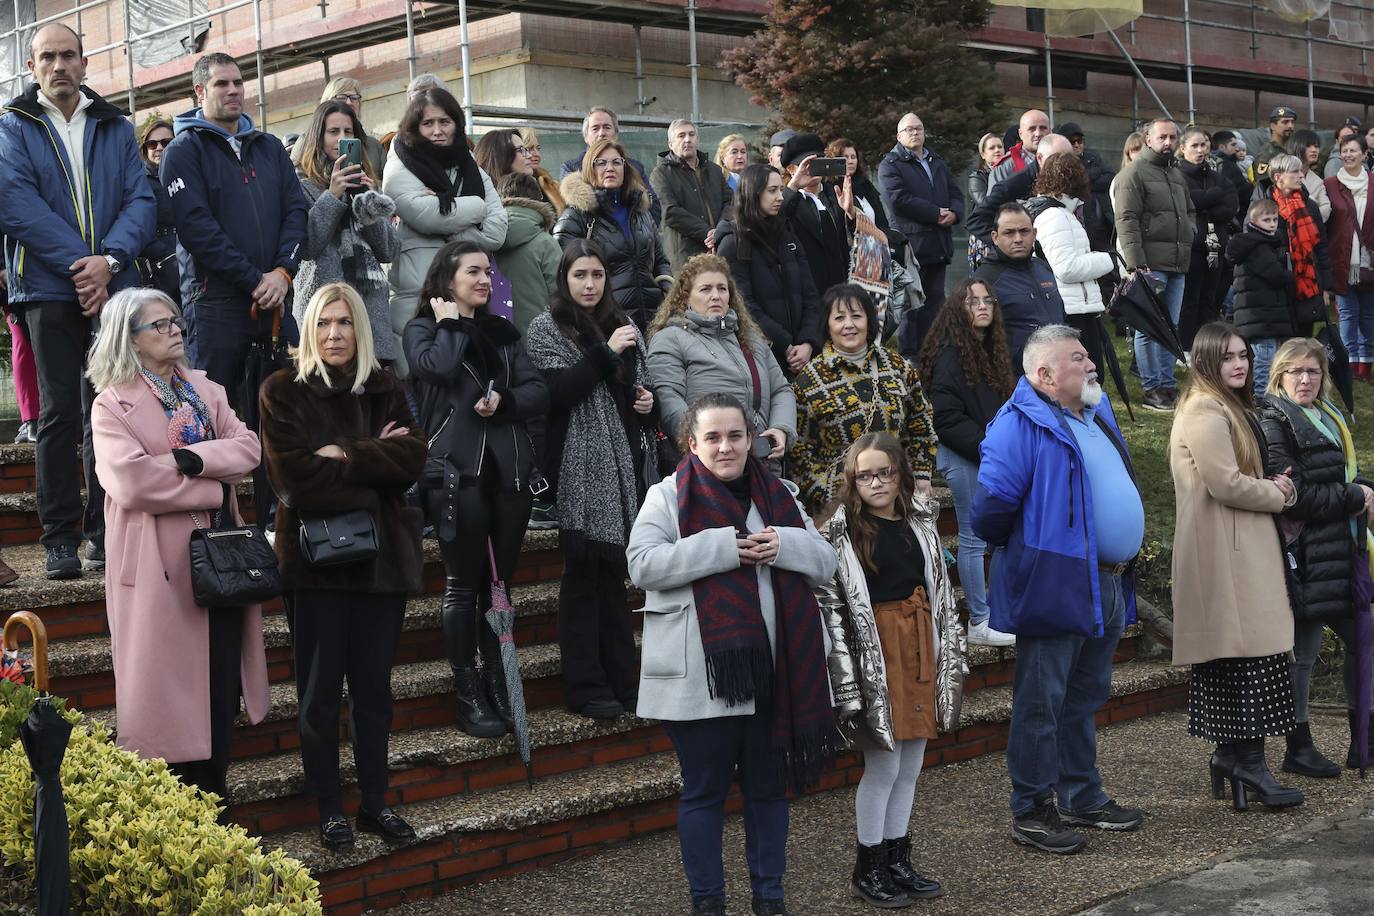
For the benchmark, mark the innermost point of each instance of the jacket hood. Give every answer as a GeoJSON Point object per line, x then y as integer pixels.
{"type": "Point", "coordinates": [669, 157]}
{"type": "Point", "coordinates": [1040, 203]}
{"type": "Point", "coordinates": [1241, 244]}
{"type": "Point", "coordinates": [1156, 159]}
{"type": "Point", "coordinates": [526, 218]}
{"type": "Point", "coordinates": [194, 119]}
{"type": "Point", "coordinates": [995, 254]}
{"type": "Point", "coordinates": [580, 195]}
{"type": "Point", "coordinates": [702, 324]}
{"type": "Point", "coordinates": [1043, 412]}
{"type": "Point", "coordinates": [99, 109]}
{"type": "Point", "coordinates": [905, 155]}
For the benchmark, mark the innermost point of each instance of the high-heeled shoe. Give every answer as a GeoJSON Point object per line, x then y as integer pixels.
{"type": "Point", "coordinates": [1220, 766]}
{"type": "Point", "coordinates": [1251, 775]}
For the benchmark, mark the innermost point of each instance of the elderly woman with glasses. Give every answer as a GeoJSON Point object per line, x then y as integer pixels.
{"type": "Point", "coordinates": [168, 450]}
{"type": "Point", "coordinates": [608, 205]}
{"type": "Point", "coordinates": [1303, 230]}
{"type": "Point", "coordinates": [1325, 533]}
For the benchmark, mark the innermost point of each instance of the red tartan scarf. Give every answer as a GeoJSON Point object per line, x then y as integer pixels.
{"type": "Point", "coordinates": [740, 664]}
{"type": "Point", "coordinates": [1303, 236]}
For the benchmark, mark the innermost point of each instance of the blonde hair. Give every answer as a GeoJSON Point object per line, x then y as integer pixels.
{"type": "Point", "coordinates": [338, 86]}
{"type": "Point", "coordinates": [309, 362]}
{"type": "Point", "coordinates": [1135, 141]}
{"type": "Point", "coordinates": [1290, 353]}
{"type": "Point", "coordinates": [113, 360]}
{"type": "Point", "coordinates": [724, 145]}
{"type": "Point", "coordinates": [630, 180]}
{"type": "Point", "coordinates": [676, 303]}
{"type": "Point", "coordinates": [1284, 162]}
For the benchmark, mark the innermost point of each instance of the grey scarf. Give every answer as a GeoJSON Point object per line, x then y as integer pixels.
{"type": "Point", "coordinates": [597, 492]}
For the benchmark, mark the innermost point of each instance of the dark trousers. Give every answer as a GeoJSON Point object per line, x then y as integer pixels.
{"type": "Point", "coordinates": [933, 282]}
{"type": "Point", "coordinates": [220, 334]}
{"type": "Point", "coordinates": [226, 658]}
{"type": "Point", "coordinates": [1091, 334]}
{"type": "Point", "coordinates": [337, 635]}
{"type": "Point", "coordinates": [1200, 301]}
{"type": "Point", "coordinates": [60, 336]}
{"type": "Point", "coordinates": [712, 752]}
{"type": "Point", "coordinates": [595, 633]}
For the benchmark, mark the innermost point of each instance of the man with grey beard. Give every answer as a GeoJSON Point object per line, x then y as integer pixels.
{"type": "Point", "coordinates": [1057, 496]}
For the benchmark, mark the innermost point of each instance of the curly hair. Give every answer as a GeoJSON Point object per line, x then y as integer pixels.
{"type": "Point", "coordinates": [1063, 174]}
{"type": "Point", "coordinates": [675, 303]}
{"type": "Point", "coordinates": [988, 358]}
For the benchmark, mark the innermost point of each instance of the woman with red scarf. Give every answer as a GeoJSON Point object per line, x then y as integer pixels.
{"type": "Point", "coordinates": [1301, 224]}
{"type": "Point", "coordinates": [734, 656]}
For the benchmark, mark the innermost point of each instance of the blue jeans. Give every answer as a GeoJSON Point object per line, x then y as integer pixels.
{"type": "Point", "coordinates": [710, 752]}
{"type": "Point", "coordinates": [1154, 361]}
{"type": "Point", "coordinates": [1357, 325]}
{"type": "Point", "coordinates": [962, 477]}
{"type": "Point", "coordinates": [1060, 683]}
{"type": "Point", "coordinates": [1263, 348]}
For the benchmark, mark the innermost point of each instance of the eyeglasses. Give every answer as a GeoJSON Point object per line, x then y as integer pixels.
{"type": "Point", "coordinates": [882, 475]}
{"type": "Point", "coordinates": [533, 150]}
{"type": "Point", "coordinates": [523, 151]}
{"type": "Point", "coordinates": [603, 163]}
{"type": "Point", "coordinates": [157, 144]}
{"type": "Point", "coordinates": [350, 97]}
{"type": "Point", "coordinates": [911, 130]}
{"type": "Point", "coordinates": [1303, 373]}
{"type": "Point", "coordinates": [162, 326]}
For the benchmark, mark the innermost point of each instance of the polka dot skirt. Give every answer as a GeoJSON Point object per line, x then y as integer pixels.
{"type": "Point", "coordinates": [1236, 699]}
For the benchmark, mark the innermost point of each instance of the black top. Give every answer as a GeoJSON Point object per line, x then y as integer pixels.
{"type": "Point", "coordinates": [901, 565]}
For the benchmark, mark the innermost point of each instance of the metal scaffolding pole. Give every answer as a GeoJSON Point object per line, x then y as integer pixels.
{"type": "Point", "coordinates": [1130, 62]}
{"type": "Point", "coordinates": [1135, 87]}
{"type": "Point", "coordinates": [692, 39]}
{"type": "Point", "coordinates": [467, 62]}
{"type": "Point", "coordinates": [1311, 102]}
{"type": "Point", "coordinates": [262, 77]}
{"type": "Point", "coordinates": [639, 71]}
{"type": "Point", "coordinates": [1188, 54]}
{"type": "Point", "coordinates": [410, 36]}
{"type": "Point", "coordinates": [1049, 80]}
{"type": "Point", "coordinates": [129, 59]}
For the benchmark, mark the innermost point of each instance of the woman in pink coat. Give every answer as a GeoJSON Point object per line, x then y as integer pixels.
{"type": "Point", "coordinates": [166, 441]}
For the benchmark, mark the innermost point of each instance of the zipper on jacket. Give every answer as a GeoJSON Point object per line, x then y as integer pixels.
{"type": "Point", "coordinates": [514, 439]}
{"type": "Point", "coordinates": [71, 189]}
{"type": "Point", "coordinates": [1071, 502]}
{"type": "Point", "coordinates": [481, 443]}
{"type": "Point", "coordinates": [435, 438]}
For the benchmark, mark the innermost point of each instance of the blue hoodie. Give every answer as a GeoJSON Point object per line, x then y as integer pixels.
{"type": "Point", "coordinates": [238, 215]}
{"type": "Point", "coordinates": [1033, 500]}
{"type": "Point", "coordinates": [44, 235]}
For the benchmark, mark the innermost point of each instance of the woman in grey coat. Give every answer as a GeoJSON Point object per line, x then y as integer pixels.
{"type": "Point", "coordinates": [734, 645]}
{"type": "Point", "coordinates": [348, 234]}
{"type": "Point", "coordinates": [703, 340]}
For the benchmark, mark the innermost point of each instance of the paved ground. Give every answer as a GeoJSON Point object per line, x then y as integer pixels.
{"type": "Point", "coordinates": [960, 827]}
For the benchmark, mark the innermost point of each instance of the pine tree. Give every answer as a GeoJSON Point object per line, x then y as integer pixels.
{"type": "Point", "coordinates": [853, 67]}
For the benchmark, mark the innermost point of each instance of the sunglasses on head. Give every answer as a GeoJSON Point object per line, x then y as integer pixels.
{"type": "Point", "coordinates": [159, 144]}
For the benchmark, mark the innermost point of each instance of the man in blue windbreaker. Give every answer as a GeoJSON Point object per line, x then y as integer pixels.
{"type": "Point", "coordinates": [75, 210]}
{"type": "Point", "coordinates": [1057, 497]}
{"type": "Point", "coordinates": [240, 217]}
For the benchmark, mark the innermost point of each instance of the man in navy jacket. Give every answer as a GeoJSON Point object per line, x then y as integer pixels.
{"type": "Point", "coordinates": [1023, 283]}
{"type": "Point", "coordinates": [75, 210]}
{"type": "Point", "coordinates": [1057, 497]}
{"type": "Point", "coordinates": [924, 202]}
{"type": "Point", "coordinates": [240, 218]}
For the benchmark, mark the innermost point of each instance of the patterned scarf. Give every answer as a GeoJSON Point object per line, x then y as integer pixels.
{"type": "Point", "coordinates": [188, 419]}
{"type": "Point", "coordinates": [740, 664]}
{"type": "Point", "coordinates": [1303, 236]}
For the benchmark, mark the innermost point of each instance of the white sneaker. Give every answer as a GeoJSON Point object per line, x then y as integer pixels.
{"type": "Point", "coordinates": [981, 634]}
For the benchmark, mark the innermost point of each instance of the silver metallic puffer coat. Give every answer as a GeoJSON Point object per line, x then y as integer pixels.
{"type": "Point", "coordinates": [858, 676]}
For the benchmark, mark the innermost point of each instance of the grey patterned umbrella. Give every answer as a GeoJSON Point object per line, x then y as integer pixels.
{"type": "Point", "coordinates": [501, 618]}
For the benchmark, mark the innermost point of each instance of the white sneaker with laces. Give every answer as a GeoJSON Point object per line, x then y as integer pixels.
{"type": "Point", "coordinates": [981, 634]}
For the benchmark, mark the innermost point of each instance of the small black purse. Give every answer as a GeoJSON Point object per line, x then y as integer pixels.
{"type": "Point", "coordinates": [232, 565]}
{"type": "Point", "coordinates": [342, 537]}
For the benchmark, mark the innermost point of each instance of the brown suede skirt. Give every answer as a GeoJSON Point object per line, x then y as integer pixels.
{"type": "Point", "coordinates": [906, 635]}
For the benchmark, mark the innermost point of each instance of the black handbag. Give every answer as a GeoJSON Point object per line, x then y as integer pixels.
{"type": "Point", "coordinates": [232, 565]}
{"type": "Point", "coordinates": [340, 537]}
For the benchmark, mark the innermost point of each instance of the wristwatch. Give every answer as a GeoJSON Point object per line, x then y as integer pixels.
{"type": "Point", "coordinates": [113, 262]}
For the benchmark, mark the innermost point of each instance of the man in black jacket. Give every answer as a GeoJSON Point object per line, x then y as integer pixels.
{"type": "Point", "coordinates": [1023, 284]}
{"type": "Point", "coordinates": [240, 219]}
{"type": "Point", "coordinates": [694, 193]}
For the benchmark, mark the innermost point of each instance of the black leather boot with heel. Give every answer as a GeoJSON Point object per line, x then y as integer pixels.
{"type": "Point", "coordinates": [493, 673]}
{"type": "Point", "coordinates": [1251, 776]}
{"type": "Point", "coordinates": [1222, 762]}
{"type": "Point", "coordinates": [1302, 757]}
{"type": "Point", "coordinates": [458, 613]}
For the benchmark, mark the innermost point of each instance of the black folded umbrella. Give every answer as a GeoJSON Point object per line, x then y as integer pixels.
{"type": "Point", "coordinates": [1338, 364]}
{"type": "Point", "coordinates": [1098, 328]}
{"type": "Point", "coordinates": [45, 735]}
{"type": "Point", "coordinates": [266, 355]}
{"type": "Point", "coordinates": [1138, 302]}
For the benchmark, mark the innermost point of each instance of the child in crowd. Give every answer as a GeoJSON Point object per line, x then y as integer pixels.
{"type": "Point", "coordinates": [1263, 286]}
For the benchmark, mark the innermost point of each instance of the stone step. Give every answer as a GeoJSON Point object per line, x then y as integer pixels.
{"type": "Point", "coordinates": [486, 833]}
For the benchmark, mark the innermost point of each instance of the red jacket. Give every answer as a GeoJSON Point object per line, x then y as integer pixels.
{"type": "Point", "coordinates": [1340, 230]}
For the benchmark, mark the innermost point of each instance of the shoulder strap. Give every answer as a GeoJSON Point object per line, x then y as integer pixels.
{"type": "Point", "coordinates": [753, 373]}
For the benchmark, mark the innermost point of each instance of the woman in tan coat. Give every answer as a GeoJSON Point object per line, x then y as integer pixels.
{"type": "Point", "coordinates": [1232, 620]}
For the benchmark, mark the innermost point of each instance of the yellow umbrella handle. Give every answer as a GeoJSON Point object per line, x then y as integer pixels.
{"type": "Point", "coordinates": [40, 644]}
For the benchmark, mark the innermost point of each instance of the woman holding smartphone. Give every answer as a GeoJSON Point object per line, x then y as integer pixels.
{"type": "Point", "coordinates": [349, 235]}
{"type": "Point", "coordinates": [476, 389]}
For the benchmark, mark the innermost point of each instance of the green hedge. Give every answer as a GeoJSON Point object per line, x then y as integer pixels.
{"type": "Point", "coordinates": [141, 841]}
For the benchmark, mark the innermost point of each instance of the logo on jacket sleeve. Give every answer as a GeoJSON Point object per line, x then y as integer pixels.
{"type": "Point", "coordinates": [175, 186]}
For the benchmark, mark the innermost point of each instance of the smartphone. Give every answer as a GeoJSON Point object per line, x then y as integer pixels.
{"type": "Point", "coordinates": [828, 168]}
{"type": "Point", "coordinates": [763, 447]}
{"type": "Point", "coordinates": [351, 151]}
{"type": "Point", "coordinates": [491, 387]}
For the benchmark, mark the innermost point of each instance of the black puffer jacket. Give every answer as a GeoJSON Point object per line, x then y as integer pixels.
{"type": "Point", "coordinates": [1263, 283]}
{"type": "Point", "coordinates": [634, 261]}
{"type": "Point", "coordinates": [781, 295]}
{"type": "Point", "coordinates": [962, 411]}
{"type": "Point", "coordinates": [1324, 551]}
{"type": "Point", "coordinates": [1214, 199]}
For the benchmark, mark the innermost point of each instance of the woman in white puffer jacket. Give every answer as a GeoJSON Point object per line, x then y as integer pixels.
{"type": "Point", "coordinates": [1061, 187]}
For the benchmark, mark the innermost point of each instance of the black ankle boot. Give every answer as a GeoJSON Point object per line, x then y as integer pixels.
{"type": "Point", "coordinates": [872, 881]}
{"type": "Point", "coordinates": [494, 674]}
{"type": "Point", "coordinates": [458, 613]}
{"type": "Point", "coordinates": [475, 715]}
{"type": "Point", "coordinates": [1222, 762]}
{"type": "Point", "coordinates": [1304, 759]}
{"type": "Point", "coordinates": [1251, 775]}
{"type": "Point", "coordinates": [1352, 756]}
{"type": "Point", "coordinates": [906, 877]}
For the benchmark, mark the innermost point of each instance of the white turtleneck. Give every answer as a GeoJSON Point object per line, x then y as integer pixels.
{"type": "Point", "coordinates": [72, 133]}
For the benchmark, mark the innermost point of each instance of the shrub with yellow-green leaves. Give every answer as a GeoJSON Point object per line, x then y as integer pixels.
{"type": "Point", "coordinates": [141, 841]}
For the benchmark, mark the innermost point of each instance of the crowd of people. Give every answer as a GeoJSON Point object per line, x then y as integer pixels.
{"type": "Point", "coordinates": [674, 367]}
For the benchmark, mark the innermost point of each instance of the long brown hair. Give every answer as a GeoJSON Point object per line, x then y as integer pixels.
{"type": "Point", "coordinates": [984, 355]}
{"type": "Point", "coordinates": [315, 165]}
{"type": "Point", "coordinates": [676, 302]}
{"type": "Point", "coordinates": [1205, 381]}
{"type": "Point", "coordinates": [863, 532]}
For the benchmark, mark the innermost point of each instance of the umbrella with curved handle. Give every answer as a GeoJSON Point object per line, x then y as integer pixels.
{"type": "Point", "coordinates": [44, 735]}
